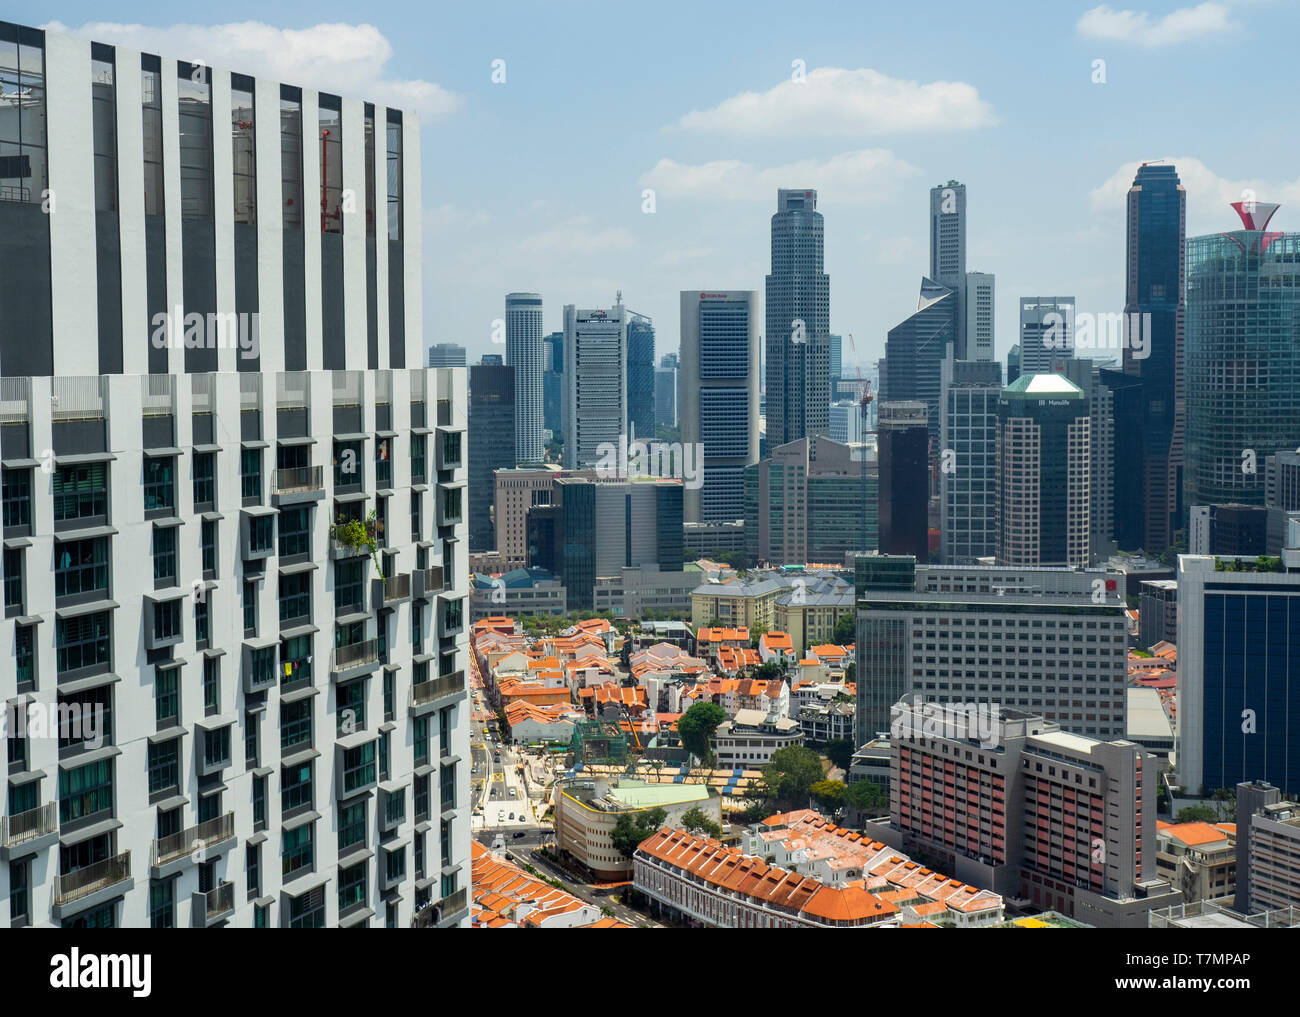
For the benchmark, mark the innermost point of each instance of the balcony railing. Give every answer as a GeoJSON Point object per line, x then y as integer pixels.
{"type": "Point", "coordinates": [300, 478]}
{"type": "Point", "coordinates": [25, 826]}
{"type": "Point", "coordinates": [194, 838]}
{"type": "Point", "coordinates": [428, 581]}
{"type": "Point", "coordinates": [392, 590]}
{"type": "Point", "coordinates": [454, 902]}
{"type": "Point", "coordinates": [432, 915]}
{"type": "Point", "coordinates": [337, 551]}
{"type": "Point", "coordinates": [436, 688]}
{"type": "Point", "coordinates": [356, 655]}
{"type": "Point", "coordinates": [219, 900]}
{"type": "Point", "coordinates": [81, 882]}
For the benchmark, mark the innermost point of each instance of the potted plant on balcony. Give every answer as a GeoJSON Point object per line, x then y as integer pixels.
{"type": "Point", "coordinates": [359, 535]}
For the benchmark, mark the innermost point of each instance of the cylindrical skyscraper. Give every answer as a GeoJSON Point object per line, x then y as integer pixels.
{"type": "Point", "coordinates": [524, 353]}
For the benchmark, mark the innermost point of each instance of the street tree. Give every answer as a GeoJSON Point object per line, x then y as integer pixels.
{"type": "Point", "coordinates": [631, 828]}
{"type": "Point", "coordinates": [696, 727]}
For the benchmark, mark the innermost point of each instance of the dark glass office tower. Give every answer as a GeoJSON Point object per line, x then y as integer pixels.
{"type": "Point", "coordinates": [553, 384]}
{"type": "Point", "coordinates": [491, 438]}
{"type": "Point", "coordinates": [1155, 285]}
{"type": "Point", "coordinates": [1243, 357]}
{"type": "Point", "coordinates": [916, 348]}
{"type": "Point", "coordinates": [798, 323]}
{"type": "Point", "coordinates": [640, 376]}
{"type": "Point", "coordinates": [902, 441]}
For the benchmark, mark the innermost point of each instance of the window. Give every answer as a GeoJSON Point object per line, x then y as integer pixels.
{"type": "Point", "coordinates": [385, 756]}
{"type": "Point", "coordinates": [164, 765]}
{"type": "Point", "coordinates": [261, 534]}
{"type": "Point", "coordinates": [81, 567]}
{"type": "Point", "coordinates": [25, 657]}
{"type": "Point", "coordinates": [383, 464]}
{"type": "Point", "coordinates": [295, 725]}
{"type": "Point", "coordinates": [83, 643]}
{"type": "Point", "coordinates": [358, 767]}
{"type": "Point", "coordinates": [295, 788]}
{"type": "Point", "coordinates": [205, 482]}
{"type": "Point", "coordinates": [417, 502]}
{"type": "Point", "coordinates": [295, 659]}
{"type": "Point", "coordinates": [394, 178]}
{"type": "Point", "coordinates": [395, 808]}
{"type": "Point", "coordinates": [194, 100]}
{"type": "Point", "coordinates": [417, 458]}
{"type": "Point", "coordinates": [291, 158]}
{"type": "Point", "coordinates": [159, 486]}
{"type": "Point", "coordinates": [208, 539]}
{"type": "Point", "coordinates": [86, 790]}
{"type": "Point", "coordinates": [417, 627]}
{"type": "Point", "coordinates": [447, 786]}
{"type": "Point", "coordinates": [216, 747]}
{"type": "Point", "coordinates": [13, 583]}
{"type": "Point", "coordinates": [297, 850]}
{"type": "Point", "coordinates": [349, 585]}
{"type": "Point", "coordinates": [331, 166]}
{"type": "Point", "coordinates": [151, 103]}
{"type": "Point", "coordinates": [451, 448]}
{"type": "Point", "coordinates": [166, 698]}
{"type": "Point", "coordinates": [262, 916]}
{"type": "Point", "coordinates": [80, 492]}
{"type": "Point", "coordinates": [259, 803]}
{"type": "Point", "coordinates": [243, 140]}
{"type": "Point", "coordinates": [261, 665]}
{"type": "Point", "coordinates": [162, 904]}
{"type": "Point", "coordinates": [86, 718]}
{"type": "Point", "coordinates": [453, 615]}
{"type": "Point", "coordinates": [352, 825]}
{"type": "Point", "coordinates": [348, 472]}
{"type": "Point", "coordinates": [250, 607]}
{"type": "Point", "coordinates": [308, 911]}
{"type": "Point", "coordinates": [417, 853]}
{"type": "Point", "coordinates": [166, 620]}
{"type": "Point", "coordinates": [451, 504]}
{"type": "Point", "coordinates": [444, 840]}
{"type": "Point", "coordinates": [250, 474]}
{"type": "Point", "coordinates": [421, 798]}
{"type": "Point", "coordinates": [209, 809]}
{"type": "Point", "coordinates": [390, 695]}
{"type": "Point", "coordinates": [22, 136]}
{"type": "Point", "coordinates": [164, 556]}
{"type": "Point", "coordinates": [295, 597]}
{"type": "Point", "coordinates": [395, 865]}
{"type": "Point", "coordinates": [352, 888]}
{"type": "Point", "coordinates": [253, 864]}
{"type": "Point", "coordinates": [368, 122]}
{"type": "Point", "coordinates": [252, 739]}
{"type": "Point", "coordinates": [16, 747]}
{"type": "Point", "coordinates": [16, 499]}
{"type": "Point", "coordinates": [203, 624]}
{"type": "Point", "coordinates": [211, 685]}
{"type": "Point", "coordinates": [20, 901]}
{"type": "Point", "coordinates": [351, 702]}
{"type": "Point", "coordinates": [295, 532]}
{"type": "Point", "coordinates": [420, 737]}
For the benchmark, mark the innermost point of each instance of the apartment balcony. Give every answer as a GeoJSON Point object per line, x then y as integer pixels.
{"type": "Point", "coordinates": [30, 831]}
{"type": "Point", "coordinates": [192, 845]}
{"type": "Point", "coordinates": [447, 911]}
{"type": "Point", "coordinates": [429, 696]}
{"type": "Point", "coordinates": [338, 552]}
{"type": "Point", "coordinates": [427, 583]}
{"type": "Point", "coordinates": [393, 590]}
{"type": "Point", "coordinates": [351, 661]}
{"type": "Point", "coordinates": [207, 909]}
{"type": "Point", "coordinates": [93, 885]}
{"type": "Point", "coordinates": [300, 484]}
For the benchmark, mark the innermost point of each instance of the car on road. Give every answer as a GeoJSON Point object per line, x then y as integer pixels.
{"type": "Point", "coordinates": [517, 834]}
{"type": "Point", "coordinates": [512, 817]}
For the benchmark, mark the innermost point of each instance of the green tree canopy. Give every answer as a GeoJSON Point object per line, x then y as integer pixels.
{"type": "Point", "coordinates": [867, 796]}
{"type": "Point", "coordinates": [788, 778]}
{"type": "Point", "coordinates": [769, 672]}
{"type": "Point", "coordinates": [1198, 814]}
{"type": "Point", "coordinates": [845, 630]}
{"type": "Point", "coordinates": [840, 752]}
{"type": "Point", "coordinates": [829, 794]}
{"type": "Point", "coordinates": [631, 828]}
{"type": "Point", "coordinates": [696, 727]}
{"type": "Point", "coordinates": [695, 821]}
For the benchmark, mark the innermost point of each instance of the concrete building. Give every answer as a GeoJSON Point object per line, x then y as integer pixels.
{"type": "Point", "coordinates": [595, 382]}
{"type": "Point", "coordinates": [1046, 332]}
{"type": "Point", "coordinates": [1229, 530]}
{"type": "Point", "coordinates": [525, 354]}
{"type": "Point", "coordinates": [847, 424]}
{"type": "Point", "coordinates": [172, 565]}
{"type": "Point", "coordinates": [1268, 849]}
{"type": "Point", "coordinates": [1198, 859]}
{"type": "Point", "coordinates": [712, 539]}
{"type": "Point", "coordinates": [517, 592]}
{"type": "Point", "coordinates": [491, 445]}
{"type": "Point", "coordinates": [1050, 642]}
{"type": "Point", "coordinates": [979, 311]}
{"type": "Point", "coordinates": [1281, 495]}
{"type": "Point", "coordinates": [719, 388]}
{"type": "Point", "coordinates": [749, 738]}
{"type": "Point", "coordinates": [968, 460]}
{"type": "Point", "coordinates": [636, 591]}
{"type": "Point", "coordinates": [445, 355]}
{"type": "Point", "coordinates": [516, 492]}
{"type": "Point", "coordinates": [1158, 611]}
{"type": "Point", "coordinates": [666, 385]}
{"type": "Point", "coordinates": [1004, 799]}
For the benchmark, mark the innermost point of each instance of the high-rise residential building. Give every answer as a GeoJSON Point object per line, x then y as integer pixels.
{"type": "Point", "coordinates": [968, 423]}
{"type": "Point", "coordinates": [553, 384]}
{"type": "Point", "coordinates": [916, 347]}
{"type": "Point", "coordinates": [1238, 688]}
{"type": "Point", "coordinates": [1243, 361]}
{"type": "Point", "coordinates": [1005, 799]}
{"type": "Point", "coordinates": [812, 500]}
{"type": "Point", "coordinates": [524, 353]}
{"type": "Point", "coordinates": [1044, 466]}
{"type": "Point", "coordinates": [978, 309]}
{"type": "Point", "coordinates": [948, 253]}
{"type": "Point", "coordinates": [1268, 849]}
{"type": "Point", "coordinates": [1046, 332]}
{"type": "Point", "coordinates": [1048, 640]}
{"type": "Point", "coordinates": [595, 529]}
{"type": "Point", "coordinates": [491, 439]}
{"type": "Point", "coordinates": [719, 385]}
{"type": "Point", "coordinates": [445, 355]}
{"type": "Point", "coordinates": [903, 440]}
{"type": "Point", "coordinates": [666, 385]}
{"type": "Point", "coordinates": [640, 377]}
{"type": "Point", "coordinates": [1156, 265]}
{"type": "Point", "coordinates": [1092, 377]}
{"type": "Point", "coordinates": [287, 725]}
{"type": "Point", "coordinates": [798, 322]}
{"type": "Point", "coordinates": [595, 383]}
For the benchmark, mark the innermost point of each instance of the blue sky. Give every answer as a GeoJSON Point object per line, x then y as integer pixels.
{"type": "Point", "coordinates": [536, 183]}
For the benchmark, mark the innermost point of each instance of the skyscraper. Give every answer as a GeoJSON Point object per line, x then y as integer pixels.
{"type": "Point", "coordinates": [1046, 332]}
{"type": "Point", "coordinates": [798, 322]}
{"type": "Point", "coordinates": [1155, 274]}
{"type": "Point", "coordinates": [595, 383]}
{"type": "Point", "coordinates": [837, 357]}
{"type": "Point", "coordinates": [719, 384]}
{"type": "Point", "coordinates": [968, 488]}
{"type": "Point", "coordinates": [902, 440]}
{"type": "Point", "coordinates": [446, 355]}
{"type": "Point", "coordinates": [524, 353]}
{"type": "Point", "coordinates": [917, 346]}
{"type": "Point", "coordinates": [553, 384]}
{"type": "Point", "coordinates": [640, 376]}
{"type": "Point", "coordinates": [948, 252]}
{"type": "Point", "coordinates": [1243, 357]}
{"type": "Point", "coordinates": [491, 440]}
{"type": "Point", "coordinates": [666, 384]}
{"type": "Point", "coordinates": [979, 312]}
{"type": "Point", "coordinates": [1043, 468]}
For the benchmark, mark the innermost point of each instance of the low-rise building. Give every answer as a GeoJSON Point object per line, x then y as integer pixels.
{"type": "Point", "coordinates": [531, 724]}
{"type": "Point", "coordinates": [776, 647]}
{"type": "Point", "coordinates": [824, 722]}
{"type": "Point", "coordinates": [1268, 849]}
{"type": "Point", "coordinates": [515, 593]}
{"type": "Point", "coordinates": [1198, 859]}
{"type": "Point", "coordinates": [507, 897]}
{"type": "Point", "coordinates": [751, 737]}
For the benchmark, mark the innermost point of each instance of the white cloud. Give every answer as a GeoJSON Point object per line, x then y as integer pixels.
{"type": "Point", "coordinates": [343, 59]}
{"type": "Point", "coordinates": [869, 175]}
{"type": "Point", "coordinates": [1142, 29]}
{"type": "Point", "coordinates": [833, 101]}
{"type": "Point", "coordinates": [1208, 194]}
{"type": "Point", "coordinates": [576, 236]}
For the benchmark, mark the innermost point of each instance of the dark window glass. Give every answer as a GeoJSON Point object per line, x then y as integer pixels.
{"type": "Point", "coordinates": [103, 109]}
{"type": "Point", "coordinates": [243, 121]}
{"type": "Point", "coordinates": [194, 98]}
{"type": "Point", "coordinates": [331, 169]}
{"type": "Point", "coordinates": [151, 104]}
{"type": "Point", "coordinates": [17, 498]}
{"type": "Point", "coordinates": [291, 162]}
{"type": "Point", "coordinates": [80, 492]}
{"type": "Point", "coordinates": [81, 566]}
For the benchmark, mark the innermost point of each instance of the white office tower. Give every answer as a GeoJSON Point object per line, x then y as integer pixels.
{"type": "Point", "coordinates": [847, 422]}
{"type": "Point", "coordinates": [979, 305]}
{"type": "Point", "coordinates": [525, 354]}
{"type": "Point", "coordinates": [948, 251]}
{"type": "Point", "coordinates": [1046, 332]}
{"type": "Point", "coordinates": [199, 379]}
{"type": "Point", "coordinates": [595, 383]}
{"type": "Point", "coordinates": [719, 383]}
